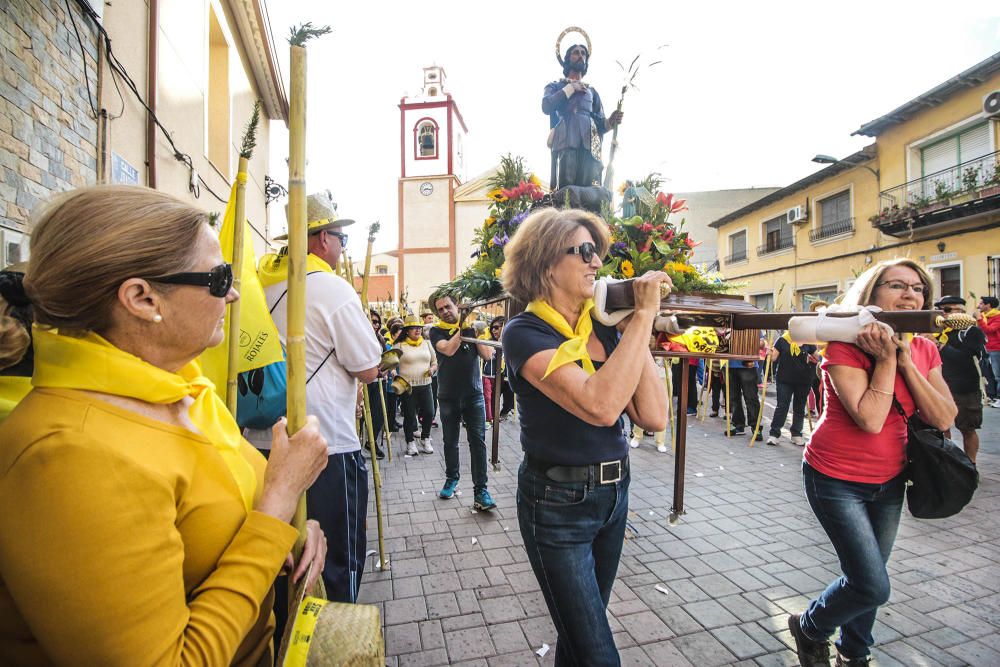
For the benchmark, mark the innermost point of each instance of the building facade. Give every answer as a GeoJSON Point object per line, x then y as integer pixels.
{"type": "Point", "coordinates": [90, 94]}
{"type": "Point", "coordinates": [928, 189]}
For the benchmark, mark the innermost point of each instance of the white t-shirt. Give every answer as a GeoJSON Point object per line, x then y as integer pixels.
{"type": "Point", "coordinates": [334, 321]}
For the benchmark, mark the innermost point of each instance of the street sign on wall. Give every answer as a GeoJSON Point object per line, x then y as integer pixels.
{"type": "Point", "coordinates": [122, 172]}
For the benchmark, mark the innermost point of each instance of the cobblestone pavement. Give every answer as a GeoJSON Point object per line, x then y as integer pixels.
{"type": "Point", "coordinates": [459, 589]}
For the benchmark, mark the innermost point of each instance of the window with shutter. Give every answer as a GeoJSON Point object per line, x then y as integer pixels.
{"type": "Point", "coordinates": [738, 247]}
{"type": "Point", "coordinates": [777, 233]}
{"type": "Point", "coordinates": [835, 214]}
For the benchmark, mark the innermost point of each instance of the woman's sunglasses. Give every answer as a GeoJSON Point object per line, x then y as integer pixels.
{"type": "Point", "coordinates": [586, 251]}
{"type": "Point", "coordinates": [218, 281]}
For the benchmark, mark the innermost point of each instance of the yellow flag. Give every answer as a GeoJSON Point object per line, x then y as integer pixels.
{"type": "Point", "coordinates": [259, 342]}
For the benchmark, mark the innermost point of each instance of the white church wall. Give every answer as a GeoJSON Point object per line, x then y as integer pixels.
{"type": "Point", "coordinates": [426, 167]}
{"type": "Point", "coordinates": [424, 272]}
{"type": "Point", "coordinates": [425, 219]}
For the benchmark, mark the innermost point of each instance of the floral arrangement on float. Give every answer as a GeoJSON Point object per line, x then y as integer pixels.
{"type": "Point", "coordinates": [514, 189]}
{"type": "Point", "coordinates": [645, 239]}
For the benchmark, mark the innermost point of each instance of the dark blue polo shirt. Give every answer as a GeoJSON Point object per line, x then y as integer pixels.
{"type": "Point", "coordinates": [548, 432]}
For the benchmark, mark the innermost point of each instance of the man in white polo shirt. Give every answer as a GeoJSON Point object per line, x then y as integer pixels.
{"type": "Point", "coordinates": [341, 350]}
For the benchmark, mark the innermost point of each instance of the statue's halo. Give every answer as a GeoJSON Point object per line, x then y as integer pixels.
{"type": "Point", "coordinates": [562, 35]}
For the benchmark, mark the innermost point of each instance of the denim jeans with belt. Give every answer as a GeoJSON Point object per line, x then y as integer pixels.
{"type": "Point", "coordinates": [861, 521]}
{"type": "Point", "coordinates": [470, 409]}
{"type": "Point", "coordinates": [573, 533]}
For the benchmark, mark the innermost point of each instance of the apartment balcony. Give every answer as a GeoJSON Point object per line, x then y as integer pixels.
{"type": "Point", "coordinates": [840, 227]}
{"type": "Point", "coordinates": [775, 245]}
{"type": "Point", "coordinates": [967, 190]}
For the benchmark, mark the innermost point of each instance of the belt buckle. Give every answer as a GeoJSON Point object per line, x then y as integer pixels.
{"type": "Point", "coordinates": [617, 473]}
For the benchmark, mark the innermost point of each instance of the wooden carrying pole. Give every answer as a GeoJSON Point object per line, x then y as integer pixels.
{"type": "Point", "coordinates": [297, 252]}
{"type": "Point", "coordinates": [376, 475]}
{"type": "Point", "coordinates": [232, 369]}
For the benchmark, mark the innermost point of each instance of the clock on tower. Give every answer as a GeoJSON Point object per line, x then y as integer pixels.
{"type": "Point", "coordinates": [432, 166]}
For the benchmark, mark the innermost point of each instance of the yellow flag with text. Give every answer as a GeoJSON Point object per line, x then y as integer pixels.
{"type": "Point", "coordinates": [259, 344]}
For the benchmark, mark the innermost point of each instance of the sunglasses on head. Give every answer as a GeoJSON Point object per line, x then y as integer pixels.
{"type": "Point", "coordinates": [218, 280]}
{"type": "Point", "coordinates": [586, 251]}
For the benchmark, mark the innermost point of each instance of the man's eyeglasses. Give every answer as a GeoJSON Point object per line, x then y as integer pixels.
{"type": "Point", "coordinates": [586, 251]}
{"type": "Point", "coordinates": [219, 280]}
{"type": "Point", "coordinates": [900, 286]}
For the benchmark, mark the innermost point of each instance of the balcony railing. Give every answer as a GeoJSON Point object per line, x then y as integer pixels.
{"type": "Point", "coordinates": [835, 228]}
{"type": "Point", "coordinates": [775, 246]}
{"type": "Point", "coordinates": [739, 256]}
{"type": "Point", "coordinates": [942, 187]}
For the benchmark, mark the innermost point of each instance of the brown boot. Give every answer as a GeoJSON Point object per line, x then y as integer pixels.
{"type": "Point", "coordinates": [811, 653]}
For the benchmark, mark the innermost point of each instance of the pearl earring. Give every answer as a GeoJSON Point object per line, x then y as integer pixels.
{"type": "Point", "coordinates": [157, 318]}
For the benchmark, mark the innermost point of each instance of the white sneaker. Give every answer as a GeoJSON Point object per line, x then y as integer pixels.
{"type": "Point", "coordinates": [771, 440]}
{"type": "Point", "coordinates": [425, 446]}
{"type": "Point", "coordinates": [995, 404]}
{"type": "Point", "coordinates": [798, 440]}
{"type": "Point", "coordinates": [411, 448]}
{"type": "Point", "coordinates": [633, 443]}
{"type": "Point", "coordinates": [661, 448]}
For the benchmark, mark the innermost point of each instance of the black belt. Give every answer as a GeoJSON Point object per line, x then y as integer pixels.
{"type": "Point", "coordinates": [607, 472]}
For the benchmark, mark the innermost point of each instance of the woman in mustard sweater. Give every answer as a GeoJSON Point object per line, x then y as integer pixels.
{"type": "Point", "coordinates": [139, 528]}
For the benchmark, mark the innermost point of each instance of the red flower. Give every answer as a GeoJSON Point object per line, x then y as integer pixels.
{"type": "Point", "coordinates": [668, 236]}
{"type": "Point", "coordinates": [678, 206]}
{"type": "Point", "coordinates": [646, 227]}
{"type": "Point", "coordinates": [664, 200]}
{"type": "Point", "coordinates": [691, 243]}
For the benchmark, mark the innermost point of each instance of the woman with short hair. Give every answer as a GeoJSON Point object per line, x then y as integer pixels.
{"type": "Point", "coordinates": [141, 527]}
{"type": "Point", "coordinates": [574, 378]}
{"type": "Point", "coordinates": [854, 464]}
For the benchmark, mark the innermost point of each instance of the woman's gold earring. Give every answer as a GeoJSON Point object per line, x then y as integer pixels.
{"type": "Point", "coordinates": [157, 318]}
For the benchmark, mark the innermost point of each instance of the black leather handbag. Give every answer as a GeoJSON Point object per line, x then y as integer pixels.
{"type": "Point", "coordinates": [941, 479]}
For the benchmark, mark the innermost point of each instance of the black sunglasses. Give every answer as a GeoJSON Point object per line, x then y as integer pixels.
{"type": "Point", "coordinates": [586, 251]}
{"type": "Point", "coordinates": [340, 235]}
{"type": "Point", "coordinates": [218, 281]}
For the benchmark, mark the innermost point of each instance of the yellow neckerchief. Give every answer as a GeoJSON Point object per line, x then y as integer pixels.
{"type": "Point", "coordinates": [13, 388]}
{"type": "Point", "coordinates": [697, 339]}
{"type": "Point", "coordinates": [450, 328]}
{"type": "Point", "coordinates": [91, 363]}
{"type": "Point", "coordinates": [414, 343]}
{"type": "Point", "coordinates": [992, 312]}
{"type": "Point", "coordinates": [273, 267]}
{"type": "Point", "coordinates": [942, 338]}
{"type": "Point", "coordinates": [794, 347]}
{"type": "Point", "coordinates": [575, 346]}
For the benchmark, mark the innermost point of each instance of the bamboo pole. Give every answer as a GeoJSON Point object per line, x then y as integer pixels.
{"type": "Point", "coordinates": [729, 411]}
{"type": "Point", "coordinates": [232, 367]}
{"type": "Point", "coordinates": [385, 419]}
{"type": "Point", "coordinates": [668, 380]}
{"type": "Point", "coordinates": [763, 391]}
{"type": "Point", "coordinates": [376, 475]}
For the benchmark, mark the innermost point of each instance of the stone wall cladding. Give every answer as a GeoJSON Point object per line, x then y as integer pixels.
{"type": "Point", "coordinates": [48, 133]}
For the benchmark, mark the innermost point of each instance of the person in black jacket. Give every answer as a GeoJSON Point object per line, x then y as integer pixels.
{"type": "Point", "coordinates": [961, 352]}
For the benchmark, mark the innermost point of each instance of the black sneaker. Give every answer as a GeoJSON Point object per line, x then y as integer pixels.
{"type": "Point", "coordinates": [852, 662]}
{"type": "Point", "coordinates": [759, 437]}
{"type": "Point", "coordinates": [713, 413]}
{"type": "Point", "coordinates": [811, 653]}
{"type": "Point", "coordinates": [736, 431]}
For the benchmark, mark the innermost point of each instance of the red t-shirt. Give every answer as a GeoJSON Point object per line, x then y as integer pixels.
{"type": "Point", "coordinates": [838, 447]}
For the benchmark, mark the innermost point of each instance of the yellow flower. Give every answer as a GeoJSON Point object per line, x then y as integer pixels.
{"type": "Point", "coordinates": [627, 269]}
{"type": "Point", "coordinates": [496, 195]}
{"type": "Point", "coordinates": [679, 267]}
{"type": "Point", "coordinates": [534, 179]}
{"type": "Point", "coordinates": [491, 242]}
{"type": "Point", "coordinates": [490, 220]}
{"type": "Point", "coordinates": [622, 188]}
{"type": "Point", "coordinates": [498, 272]}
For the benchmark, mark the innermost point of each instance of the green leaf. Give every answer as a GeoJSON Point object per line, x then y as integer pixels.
{"type": "Point", "coordinates": [634, 221]}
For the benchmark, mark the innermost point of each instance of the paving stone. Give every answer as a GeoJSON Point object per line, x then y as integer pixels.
{"type": "Point", "coordinates": [678, 620]}
{"type": "Point", "coordinates": [738, 642]}
{"type": "Point", "coordinates": [405, 587]}
{"type": "Point", "coordinates": [430, 658]}
{"type": "Point", "coordinates": [502, 609]}
{"type": "Point", "coordinates": [403, 638]}
{"type": "Point", "coordinates": [469, 643]}
{"type": "Point", "coordinates": [665, 653]}
{"type": "Point", "coordinates": [977, 654]}
{"type": "Point", "coordinates": [431, 635]}
{"type": "Point", "coordinates": [634, 656]}
{"type": "Point", "coordinates": [704, 649]}
{"type": "Point", "coordinates": [710, 614]}
{"type": "Point", "coordinates": [462, 622]}
{"type": "Point", "coordinates": [646, 627]}
{"type": "Point", "coordinates": [508, 637]}
{"type": "Point", "coordinates": [405, 611]}
{"type": "Point", "coordinates": [441, 605]}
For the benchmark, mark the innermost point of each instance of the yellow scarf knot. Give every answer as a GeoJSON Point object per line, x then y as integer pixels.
{"type": "Point", "coordinates": [793, 346]}
{"type": "Point", "coordinates": [273, 267]}
{"type": "Point", "coordinates": [89, 362]}
{"type": "Point", "coordinates": [450, 328]}
{"type": "Point", "coordinates": [575, 347]}
{"type": "Point", "coordinates": [414, 343]}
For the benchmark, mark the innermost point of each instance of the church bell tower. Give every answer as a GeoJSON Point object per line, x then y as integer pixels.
{"type": "Point", "coordinates": [432, 166]}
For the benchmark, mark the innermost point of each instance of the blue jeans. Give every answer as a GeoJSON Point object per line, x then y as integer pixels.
{"type": "Point", "coordinates": [573, 533]}
{"type": "Point", "coordinates": [861, 522]}
{"type": "Point", "coordinates": [786, 394]}
{"type": "Point", "coordinates": [472, 410]}
{"type": "Point", "coordinates": [995, 365]}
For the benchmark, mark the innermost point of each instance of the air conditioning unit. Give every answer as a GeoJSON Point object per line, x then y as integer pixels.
{"type": "Point", "coordinates": [991, 104]}
{"type": "Point", "coordinates": [796, 214]}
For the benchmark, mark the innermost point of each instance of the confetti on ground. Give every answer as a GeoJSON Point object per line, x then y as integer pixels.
{"type": "Point", "coordinates": [542, 651]}
{"type": "Point", "coordinates": [721, 468]}
{"type": "Point", "coordinates": [662, 589]}
{"type": "Point", "coordinates": [782, 465]}
{"type": "Point", "coordinates": [730, 453]}
{"type": "Point", "coordinates": [475, 541]}
{"type": "Point", "coordinates": [652, 513]}
{"type": "Point", "coordinates": [382, 566]}
{"type": "Point", "coordinates": [699, 474]}
{"type": "Point", "coordinates": [370, 552]}
{"type": "Point", "coordinates": [505, 529]}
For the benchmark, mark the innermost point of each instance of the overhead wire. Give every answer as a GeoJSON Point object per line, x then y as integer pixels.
{"type": "Point", "coordinates": [118, 68]}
